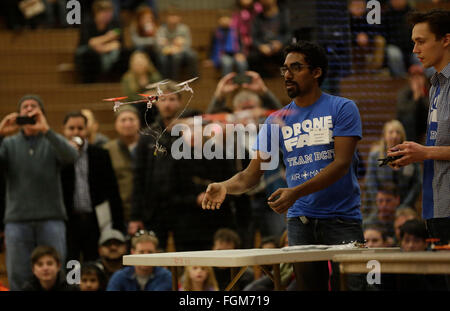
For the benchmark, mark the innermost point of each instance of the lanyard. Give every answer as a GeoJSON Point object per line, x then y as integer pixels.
{"type": "Point", "coordinates": [436, 95]}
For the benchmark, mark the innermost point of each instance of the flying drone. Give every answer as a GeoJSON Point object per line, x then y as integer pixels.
{"type": "Point", "coordinates": [149, 99]}
{"type": "Point", "coordinates": [153, 99]}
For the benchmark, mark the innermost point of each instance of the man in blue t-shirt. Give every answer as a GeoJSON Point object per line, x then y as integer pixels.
{"type": "Point", "coordinates": [317, 134]}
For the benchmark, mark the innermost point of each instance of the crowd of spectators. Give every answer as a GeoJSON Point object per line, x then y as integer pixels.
{"type": "Point", "coordinates": [125, 172]}
{"type": "Point", "coordinates": [249, 35]}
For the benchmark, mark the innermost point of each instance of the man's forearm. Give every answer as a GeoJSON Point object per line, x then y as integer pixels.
{"type": "Point", "coordinates": [238, 184]}
{"type": "Point", "coordinates": [439, 153]}
{"type": "Point", "coordinates": [66, 153]}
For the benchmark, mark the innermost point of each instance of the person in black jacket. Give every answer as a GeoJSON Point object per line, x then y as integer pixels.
{"type": "Point", "coordinates": [154, 173]}
{"type": "Point", "coordinates": [86, 184]}
{"type": "Point", "coordinates": [100, 51]}
{"type": "Point", "coordinates": [47, 276]}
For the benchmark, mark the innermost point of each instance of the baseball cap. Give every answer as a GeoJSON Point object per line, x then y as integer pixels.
{"type": "Point", "coordinates": [111, 234]}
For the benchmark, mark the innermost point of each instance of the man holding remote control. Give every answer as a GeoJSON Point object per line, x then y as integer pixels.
{"type": "Point", "coordinates": [431, 36]}
{"type": "Point", "coordinates": [31, 158]}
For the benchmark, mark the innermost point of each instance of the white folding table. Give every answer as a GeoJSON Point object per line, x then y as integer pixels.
{"type": "Point", "coordinates": [241, 258]}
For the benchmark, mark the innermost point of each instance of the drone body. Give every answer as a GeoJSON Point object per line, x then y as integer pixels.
{"type": "Point", "coordinates": [153, 99]}
{"type": "Point", "coordinates": [149, 99]}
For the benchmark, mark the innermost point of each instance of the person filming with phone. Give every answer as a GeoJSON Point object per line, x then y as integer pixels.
{"type": "Point", "coordinates": [31, 157]}
{"type": "Point", "coordinates": [251, 81]}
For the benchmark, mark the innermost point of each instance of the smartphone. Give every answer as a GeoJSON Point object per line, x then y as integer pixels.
{"type": "Point", "coordinates": [22, 120]}
{"type": "Point", "coordinates": [274, 199]}
{"type": "Point", "coordinates": [241, 79]}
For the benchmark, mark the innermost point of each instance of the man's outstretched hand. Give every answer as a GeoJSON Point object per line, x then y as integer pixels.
{"type": "Point", "coordinates": [214, 196]}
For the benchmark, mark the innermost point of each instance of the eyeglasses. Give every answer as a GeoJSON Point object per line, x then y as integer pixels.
{"type": "Point", "coordinates": [293, 68]}
{"type": "Point", "coordinates": [144, 232]}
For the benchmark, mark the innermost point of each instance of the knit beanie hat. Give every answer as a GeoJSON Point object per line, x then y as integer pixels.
{"type": "Point", "coordinates": [36, 98]}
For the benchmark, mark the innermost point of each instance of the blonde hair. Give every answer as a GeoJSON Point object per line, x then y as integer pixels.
{"type": "Point", "coordinates": [380, 145]}
{"type": "Point", "coordinates": [130, 74]}
{"type": "Point", "coordinates": [209, 284]}
{"type": "Point", "coordinates": [406, 211]}
{"type": "Point", "coordinates": [144, 238]}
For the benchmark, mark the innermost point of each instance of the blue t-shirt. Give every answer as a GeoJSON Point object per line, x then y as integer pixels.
{"type": "Point", "coordinates": [125, 280]}
{"type": "Point", "coordinates": [306, 138]}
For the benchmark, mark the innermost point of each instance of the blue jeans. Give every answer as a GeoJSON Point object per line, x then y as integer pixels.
{"type": "Point", "coordinates": [22, 238]}
{"type": "Point", "coordinates": [171, 65]}
{"type": "Point", "coordinates": [328, 231]}
{"type": "Point", "coordinates": [228, 62]}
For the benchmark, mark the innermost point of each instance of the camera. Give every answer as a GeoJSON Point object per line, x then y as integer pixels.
{"type": "Point", "coordinates": [22, 120]}
{"type": "Point", "coordinates": [242, 78]}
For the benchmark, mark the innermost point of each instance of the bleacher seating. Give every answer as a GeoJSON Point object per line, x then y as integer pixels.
{"type": "Point", "coordinates": [41, 61]}
{"type": "Point", "coordinates": [376, 97]}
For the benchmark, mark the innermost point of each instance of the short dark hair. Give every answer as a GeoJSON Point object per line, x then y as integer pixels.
{"type": "Point", "coordinates": [315, 56]}
{"type": "Point", "coordinates": [75, 114]}
{"type": "Point", "coordinates": [269, 239]}
{"type": "Point", "coordinates": [389, 188]}
{"type": "Point", "coordinates": [229, 236]}
{"type": "Point", "coordinates": [414, 227]}
{"type": "Point", "coordinates": [437, 19]}
{"type": "Point", "coordinates": [44, 250]}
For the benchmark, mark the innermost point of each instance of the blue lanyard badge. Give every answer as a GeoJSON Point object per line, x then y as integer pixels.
{"type": "Point", "coordinates": [432, 121]}
{"type": "Point", "coordinates": [435, 97]}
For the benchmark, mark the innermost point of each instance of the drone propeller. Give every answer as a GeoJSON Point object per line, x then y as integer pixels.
{"type": "Point", "coordinates": [115, 99]}
{"type": "Point", "coordinates": [187, 81]}
{"type": "Point", "coordinates": [156, 84]}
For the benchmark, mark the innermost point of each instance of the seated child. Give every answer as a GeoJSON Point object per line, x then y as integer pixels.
{"type": "Point", "coordinates": [46, 267]}
{"type": "Point", "coordinates": [413, 235]}
{"type": "Point", "coordinates": [198, 278]}
{"type": "Point", "coordinates": [375, 236]}
{"type": "Point", "coordinates": [92, 278]}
